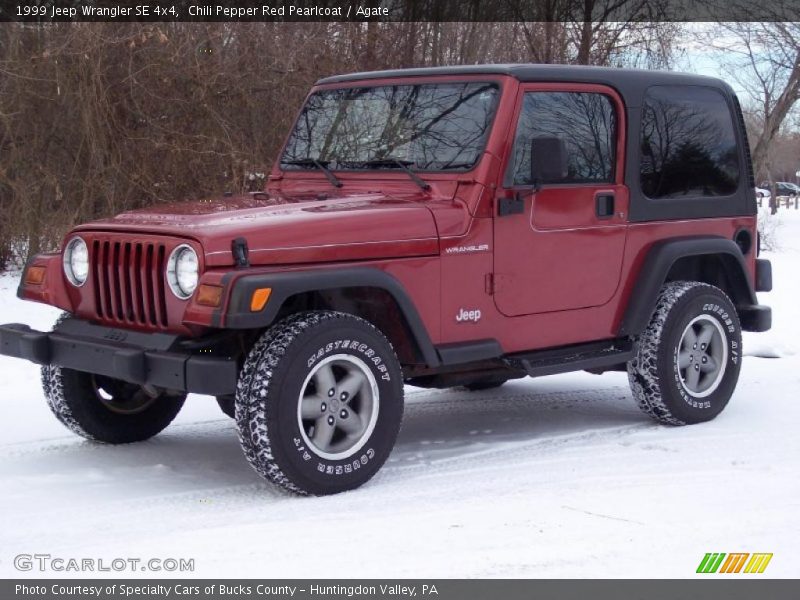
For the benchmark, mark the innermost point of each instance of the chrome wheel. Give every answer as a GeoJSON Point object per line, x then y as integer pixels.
{"type": "Point", "coordinates": [338, 406]}
{"type": "Point", "coordinates": [702, 356]}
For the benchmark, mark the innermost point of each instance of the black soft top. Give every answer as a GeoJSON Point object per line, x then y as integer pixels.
{"type": "Point", "coordinates": [630, 83]}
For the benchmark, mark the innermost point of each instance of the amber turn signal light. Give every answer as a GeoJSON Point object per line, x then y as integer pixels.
{"type": "Point", "coordinates": [35, 275]}
{"type": "Point", "coordinates": [259, 299]}
{"type": "Point", "coordinates": [209, 295]}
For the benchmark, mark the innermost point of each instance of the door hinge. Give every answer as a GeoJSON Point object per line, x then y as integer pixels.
{"type": "Point", "coordinates": [515, 205]}
{"type": "Point", "coordinates": [489, 283]}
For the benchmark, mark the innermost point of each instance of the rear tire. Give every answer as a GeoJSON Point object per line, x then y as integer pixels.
{"type": "Point", "coordinates": [689, 357]}
{"type": "Point", "coordinates": [319, 403]}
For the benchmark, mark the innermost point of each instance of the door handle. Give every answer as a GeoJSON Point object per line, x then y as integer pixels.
{"type": "Point", "coordinates": [604, 205]}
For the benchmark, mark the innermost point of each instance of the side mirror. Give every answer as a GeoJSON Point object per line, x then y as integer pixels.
{"type": "Point", "coordinates": [548, 159]}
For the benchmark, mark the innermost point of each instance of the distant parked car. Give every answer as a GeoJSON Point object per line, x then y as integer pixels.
{"type": "Point", "coordinates": [762, 193]}
{"type": "Point", "coordinates": [785, 188]}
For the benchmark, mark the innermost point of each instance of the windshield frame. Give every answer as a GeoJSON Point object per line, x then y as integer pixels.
{"type": "Point", "coordinates": [498, 82]}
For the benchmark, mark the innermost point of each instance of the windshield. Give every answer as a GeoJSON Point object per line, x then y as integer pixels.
{"type": "Point", "coordinates": [429, 127]}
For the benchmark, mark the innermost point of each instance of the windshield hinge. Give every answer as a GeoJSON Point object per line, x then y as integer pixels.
{"type": "Point", "coordinates": [241, 255]}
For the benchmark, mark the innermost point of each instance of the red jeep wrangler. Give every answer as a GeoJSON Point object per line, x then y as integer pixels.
{"type": "Point", "coordinates": [439, 227]}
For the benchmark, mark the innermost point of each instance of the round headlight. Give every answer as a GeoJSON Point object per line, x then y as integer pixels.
{"type": "Point", "coordinates": [183, 271]}
{"type": "Point", "coordinates": [76, 261]}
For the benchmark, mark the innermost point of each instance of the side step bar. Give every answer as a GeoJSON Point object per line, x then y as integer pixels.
{"type": "Point", "coordinates": [578, 357]}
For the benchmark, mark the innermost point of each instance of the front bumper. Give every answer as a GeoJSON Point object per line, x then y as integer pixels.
{"type": "Point", "coordinates": [146, 359]}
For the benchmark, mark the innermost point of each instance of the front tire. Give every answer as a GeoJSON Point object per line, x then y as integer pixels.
{"type": "Point", "coordinates": [689, 357]}
{"type": "Point", "coordinates": [319, 403]}
{"type": "Point", "coordinates": [103, 409]}
{"type": "Point", "coordinates": [107, 410]}
{"type": "Point", "coordinates": [227, 404]}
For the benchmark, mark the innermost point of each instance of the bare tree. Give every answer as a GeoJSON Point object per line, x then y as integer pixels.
{"type": "Point", "coordinates": [763, 58]}
{"type": "Point", "coordinates": [97, 118]}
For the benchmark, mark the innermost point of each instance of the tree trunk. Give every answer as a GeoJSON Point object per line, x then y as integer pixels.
{"type": "Point", "coordinates": [585, 41]}
{"type": "Point", "coordinates": [774, 118]}
{"type": "Point", "coordinates": [372, 38]}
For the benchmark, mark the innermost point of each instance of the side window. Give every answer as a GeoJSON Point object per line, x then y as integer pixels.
{"type": "Point", "coordinates": [586, 123]}
{"type": "Point", "coordinates": [688, 143]}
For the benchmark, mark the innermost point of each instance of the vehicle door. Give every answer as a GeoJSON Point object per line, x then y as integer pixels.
{"type": "Point", "coordinates": [561, 211]}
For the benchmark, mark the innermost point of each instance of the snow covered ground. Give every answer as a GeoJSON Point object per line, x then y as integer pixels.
{"type": "Point", "coordinates": [555, 477]}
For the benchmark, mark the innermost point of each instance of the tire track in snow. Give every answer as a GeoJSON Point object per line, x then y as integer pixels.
{"type": "Point", "coordinates": [519, 421]}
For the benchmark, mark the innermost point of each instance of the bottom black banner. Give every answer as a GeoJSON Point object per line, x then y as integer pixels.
{"type": "Point", "coordinates": [374, 589]}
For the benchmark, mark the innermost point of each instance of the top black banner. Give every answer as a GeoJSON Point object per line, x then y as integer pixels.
{"type": "Point", "coordinates": [576, 11]}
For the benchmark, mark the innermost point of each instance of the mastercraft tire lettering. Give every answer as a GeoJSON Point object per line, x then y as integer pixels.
{"type": "Point", "coordinates": [319, 402]}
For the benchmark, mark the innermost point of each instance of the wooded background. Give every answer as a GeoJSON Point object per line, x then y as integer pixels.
{"type": "Point", "coordinates": [99, 118]}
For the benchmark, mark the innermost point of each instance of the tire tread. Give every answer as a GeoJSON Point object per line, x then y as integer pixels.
{"type": "Point", "coordinates": [254, 390]}
{"type": "Point", "coordinates": [643, 369]}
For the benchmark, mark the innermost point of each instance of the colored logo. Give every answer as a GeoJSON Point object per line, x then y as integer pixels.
{"type": "Point", "coordinates": [737, 562]}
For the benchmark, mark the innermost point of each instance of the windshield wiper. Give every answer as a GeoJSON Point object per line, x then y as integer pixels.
{"type": "Point", "coordinates": [321, 165]}
{"type": "Point", "coordinates": [402, 164]}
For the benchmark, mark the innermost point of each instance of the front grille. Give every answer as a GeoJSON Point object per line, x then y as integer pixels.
{"type": "Point", "coordinates": [129, 282]}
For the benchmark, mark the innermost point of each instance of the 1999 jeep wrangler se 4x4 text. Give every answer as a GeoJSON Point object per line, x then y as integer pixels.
{"type": "Point", "coordinates": [440, 227]}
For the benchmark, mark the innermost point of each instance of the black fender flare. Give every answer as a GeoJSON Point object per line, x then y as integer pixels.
{"type": "Point", "coordinates": [289, 283]}
{"type": "Point", "coordinates": [657, 264]}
